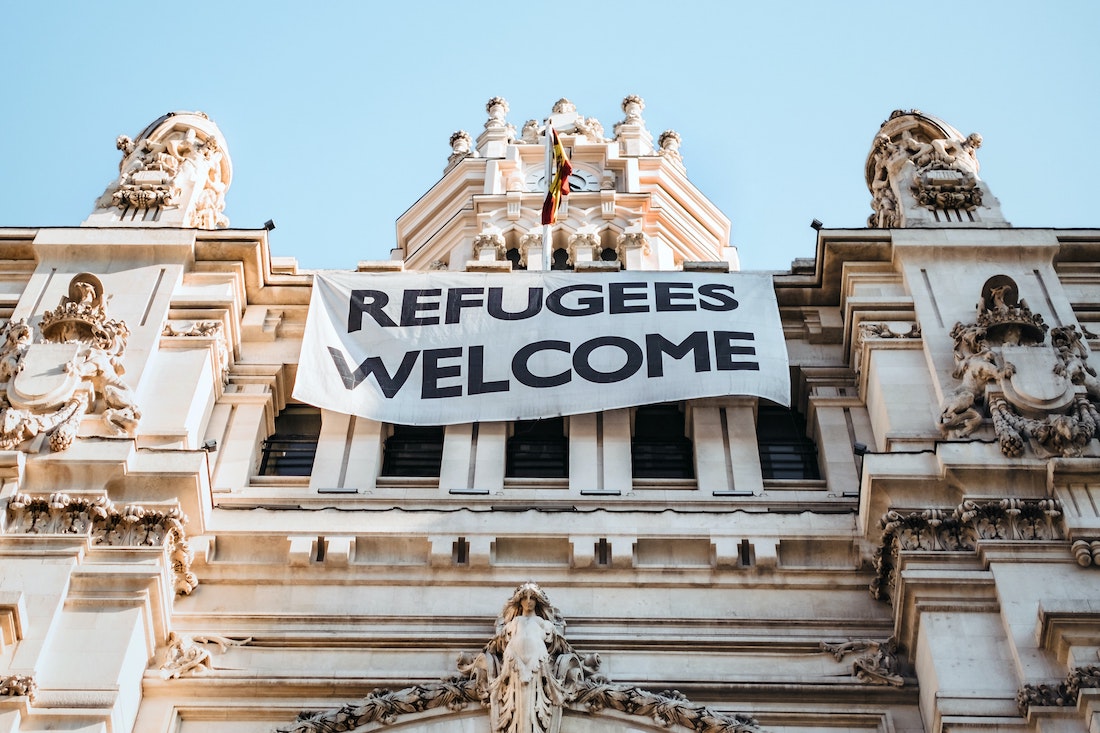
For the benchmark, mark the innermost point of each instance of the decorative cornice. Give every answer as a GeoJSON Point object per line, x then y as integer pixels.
{"type": "Point", "coordinates": [959, 530]}
{"type": "Point", "coordinates": [525, 675]}
{"type": "Point", "coordinates": [1061, 694]}
{"type": "Point", "coordinates": [98, 518]}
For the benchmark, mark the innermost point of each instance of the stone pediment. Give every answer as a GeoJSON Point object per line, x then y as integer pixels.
{"type": "Point", "coordinates": [529, 678]}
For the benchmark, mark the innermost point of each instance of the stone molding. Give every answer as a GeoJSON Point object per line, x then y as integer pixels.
{"type": "Point", "coordinates": [1061, 694]}
{"type": "Point", "coordinates": [525, 675]}
{"type": "Point", "coordinates": [959, 530]}
{"type": "Point", "coordinates": [214, 330]}
{"type": "Point", "coordinates": [107, 525]}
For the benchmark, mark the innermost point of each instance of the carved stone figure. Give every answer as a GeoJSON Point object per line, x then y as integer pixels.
{"type": "Point", "coordinates": [877, 666]}
{"type": "Point", "coordinates": [185, 657]}
{"type": "Point", "coordinates": [47, 388]}
{"type": "Point", "coordinates": [526, 675]}
{"type": "Point", "coordinates": [590, 128]}
{"type": "Point", "coordinates": [530, 132]}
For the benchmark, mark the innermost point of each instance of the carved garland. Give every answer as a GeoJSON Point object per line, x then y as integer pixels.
{"type": "Point", "coordinates": [1062, 694]}
{"type": "Point", "coordinates": [958, 531]}
{"type": "Point", "coordinates": [106, 524]}
{"type": "Point", "coordinates": [525, 675]}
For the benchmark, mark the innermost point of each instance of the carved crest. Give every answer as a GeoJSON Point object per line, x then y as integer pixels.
{"type": "Point", "coordinates": [46, 388]}
{"type": "Point", "coordinates": [527, 674]}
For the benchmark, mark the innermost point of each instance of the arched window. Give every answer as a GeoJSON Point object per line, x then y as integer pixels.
{"type": "Point", "coordinates": [560, 260]}
{"type": "Point", "coordinates": [513, 256]}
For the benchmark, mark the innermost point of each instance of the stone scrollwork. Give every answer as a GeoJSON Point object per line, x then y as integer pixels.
{"type": "Point", "coordinates": [878, 663]}
{"type": "Point", "coordinates": [108, 525]}
{"type": "Point", "coordinates": [18, 685]}
{"type": "Point", "coordinates": [1036, 393]}
{"type": "Point", "coordinates": [492, 241]}
{"type": "Point", "coordinates": [526, 675]}
{"type": "Point", "coordinates": [632, 240]}
{"type": "Point", "coordinates": [584, 241]}
{"type": "Point", "coordinates": [1059, 694]}
{"type": "Point", "coordinates": [46, 388]}
{"type": "Point", "coordinates": [187, 655]}
{"type": "Point", "coordinates": [959, 530]}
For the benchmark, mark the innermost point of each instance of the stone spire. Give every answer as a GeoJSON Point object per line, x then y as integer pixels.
{"type": "Point", "coordinates": [922, 172]}
{"type": "Point", "coordinates": [175, 174]}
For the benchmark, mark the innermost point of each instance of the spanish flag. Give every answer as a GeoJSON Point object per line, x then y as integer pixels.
{"type": "Point", "coordinates": [559, 185]}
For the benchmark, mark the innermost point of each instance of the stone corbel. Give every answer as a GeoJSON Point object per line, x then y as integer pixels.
{"type": "Point", "coordinates": [584, 247]}
{"type": "Point", "coordinates": [628, 242]}
{"type": "Point", "coordinates": [489, 247]}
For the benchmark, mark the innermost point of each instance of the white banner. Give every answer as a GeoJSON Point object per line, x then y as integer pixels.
{"type": "Point", "coordinates": [439, 348]}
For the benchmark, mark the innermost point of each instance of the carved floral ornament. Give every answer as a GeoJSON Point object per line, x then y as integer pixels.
{"type": "Point", "coordinates": [959, 530]}
{"type": "Point", "coordinates": [877, 663]}
{"type": "Point", "coordinates": [107, 525]}
{"type": "Point", "coordinates": [1059, 694]}
{"type": "Point", "coordinates": [1036, 394]}
{"type": "Point", "coordinates": [18, 685]}
{"type": "Point", "coordinates": [526, 675]}
{"type": "Point", "coordinates": [46, 388]}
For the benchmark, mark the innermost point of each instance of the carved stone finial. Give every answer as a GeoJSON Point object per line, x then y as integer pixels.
{"type": "Point", "coordinates": [461, 148]}
{"type": "Point", "coordinates": [562, 106]}
{"type": "Point", "coordinates": [669, 143]}
{"type": "Point", "coordinates": [497, 109]}
{"type": "Point", "coordinates": [632, 107]}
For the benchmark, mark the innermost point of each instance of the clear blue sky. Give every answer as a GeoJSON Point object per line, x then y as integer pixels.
{"type": "Point", "coordinates": [337, 116]}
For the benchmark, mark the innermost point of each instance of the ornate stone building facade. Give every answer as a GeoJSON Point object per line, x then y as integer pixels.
{"type": "Point", "coordinates": [911, 546]}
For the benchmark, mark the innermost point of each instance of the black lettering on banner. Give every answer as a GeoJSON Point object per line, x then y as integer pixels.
{"type": "Point", "coordinates": [434, 371]}
{"type": "Point", "coordinates": [618, 295]}
{"type": "Point", "coordinates": [587, 372]}
{"type": "Point", "coordinates": [666, 297]}
{"type": "Point", "coordinates": [523, 373]}
{"type": "Point", "coordinates": [724, 350]}
{"type": "Point", "coordinates": [455, 302]}
{"type": "Point", "coordinates": [411, 306]}
{"type": "Point", "coordinates": [496, 305]}
{"type": "Point", "coordinates": [369, 302]}
{"type": "Point", "coordinates": [588, 306]}
{"type": "Point", "coordinates": [390, 385]}
{"type": "Point", "coordinates": [656, 345]}
{"type": "Point", "coordinates": [726, 302]}
{"type": "Point", "coordinates": [478, 385]}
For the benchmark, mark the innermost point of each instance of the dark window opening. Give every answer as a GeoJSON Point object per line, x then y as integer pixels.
{"type": "Point", "coordinates": [785, 450]}
{"type": "Point", "coordinates": [538, 449]}
{"type": "Point", "coordinates": [290, 450]}
{"type": "Point", "coordinates": [513, 256]}
{"type": "Point", "coordinates": [609, 255]}
{"type": "Point", "coordinates": [413, 451]}
{"type": "Point", "coordinates": [560, 260]}
{"type": "Point", "coordinates": [660, 448]}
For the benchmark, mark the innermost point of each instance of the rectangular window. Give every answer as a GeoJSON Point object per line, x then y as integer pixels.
{"type": "Point", "coordinates": [290, 450]}
{"type": "Point", "coordinates": [785, 450]}
{"type": "Point", "coordinates": [660, 447]}
{"type": "Point", "coordinates": [413, 450]}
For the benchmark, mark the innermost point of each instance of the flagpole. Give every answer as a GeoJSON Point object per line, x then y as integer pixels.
{"type": "Point", "coordinates": [546, 233]}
